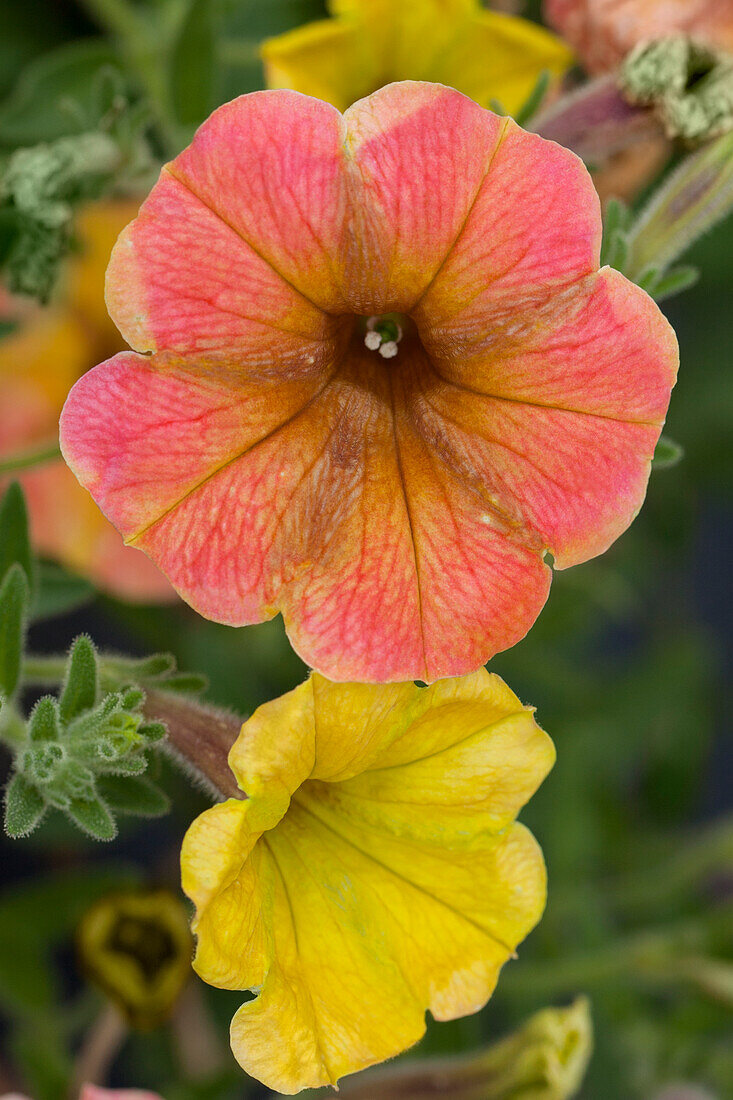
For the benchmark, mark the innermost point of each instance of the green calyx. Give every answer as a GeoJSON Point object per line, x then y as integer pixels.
{"type": "Point", "coordinates": [690, 86]}
{"type": "Point", "coordinates": [74, 745]}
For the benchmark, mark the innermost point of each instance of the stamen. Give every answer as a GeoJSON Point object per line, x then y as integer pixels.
{"type": "Point", "coordinates": [383, 335]}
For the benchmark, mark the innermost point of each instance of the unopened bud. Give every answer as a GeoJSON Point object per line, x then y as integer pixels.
{"type": "Point", "coordinates": [690, 86]}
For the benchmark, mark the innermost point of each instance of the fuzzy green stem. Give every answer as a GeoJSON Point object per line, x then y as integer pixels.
{"type": "Point", "coordinates": [144, 47]}
{"type": "Point", "coordinates": [26, 460]}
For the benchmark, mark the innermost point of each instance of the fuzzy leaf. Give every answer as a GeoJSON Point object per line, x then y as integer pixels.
{"type": "Point", "coordinates": [80, 687]}
{"type": "Point", "coordinates": [193, 64]}
{"type": "Point", "coordinates": [14, 598]}
{"type": "Point", "coordinates": [152, 732]}
{"type": "Point", "coordinates": [133, 795]}
{"type": "Point", "coordinates": [24, 807]}
{"type": "Point", "coordinates": [15, 543]}
{"type": "Point", "coordinates": [534, 100]}
{"type": "Point", "coordinates": [674, 282]}
{"type": "Point", "coordinates": [44, 722]}
{"type": "Point", "coordinates": [93, 818]}
{"type": "Point", "coordinates": [667, 453]}
{"type": "Point", "coordinates": [188, 683]}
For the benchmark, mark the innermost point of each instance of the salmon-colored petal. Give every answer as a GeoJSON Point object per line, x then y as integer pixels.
{"type": "Point", "coordinates": [141, 467]}
{"type": "Point", "coordinates": [183, 280]}
{"type": "Point", "coordinates": [533, 230]}
{"type": "Point", "coordinates": [481, 578]}
{"type": "Point", "coordinates": [271, 166]}
{"type": "Point", "coordinates": [419, 184]}
{"type": "Point", "coordinates": [560, 421]}
{"type": "Point", "coordinates": [67, 525]}
{"type": "Point", "coordinates": [395, 504]}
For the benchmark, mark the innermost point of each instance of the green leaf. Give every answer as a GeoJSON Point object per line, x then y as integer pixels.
{"type": "Point", "coordinates": [24, 807]}
{"type": "Point", "coordinates": [617, 252]}
{"type": "Point", "coordinates": [188, 683]}
{"type": "Point", "coordinates": [193, 67]}
{"type": "Point", "coordinates": [152, 732]}
{"type": "Point", "coordinates": [667, 453]}
{"type": "Point", "coordinates": [60, 592]}
{"type": "Point", "coordinates": [535, 99]}
{"type": "Point", "coordinates": [14, 598]}
{"type": "Point", "coordinates": [615, 223]}
{"type": "Point", "coordinates": [15, 544]}
{"type": "Point", "coordinates": [133, 795]}
{"type": "Point", "coordinates": [127, 765]}
{"type": "Point", "coordinates": [35, 916]}
{"type": "Point", "coordinates": [674, 282]}
{"type": "Point", "coordinates": [79, 693]}
{"type": "Point", "coordinates": [44, 724]}
{"type": "Point", "coordinates": [55, 94]}
{"type": "Point", "coordinates": [93, 817]}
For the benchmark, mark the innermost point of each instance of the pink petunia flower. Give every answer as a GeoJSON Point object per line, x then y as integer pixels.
{"type": "Point", "coordinates": [386, 377]}
{"type": "Point", "coordinates": [604, 31]}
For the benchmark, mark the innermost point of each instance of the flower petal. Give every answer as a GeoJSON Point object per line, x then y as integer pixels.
{"type": "Point", "coordinates": [419, 183]}
{"type": "Point", "coordinates": [367, 912]}
{"type": "Point", "coordinates": [533, 230]}
{"type": "Point", "coordinates": [291, 499]}
{"type": "Point", "coordinates": [271, 166]}
{"type": "Point", "coordinates": [328, 59]}
{"type": "Point", "coordinates": [183, 280]}
{"type": "Point", "coordinates": [499, 58]}
{"type": "Point", "coordinates": [142, 466]}
{"type": "Point", "coordinates": [561, 419]}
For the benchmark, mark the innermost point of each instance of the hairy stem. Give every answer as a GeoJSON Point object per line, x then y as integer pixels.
{"type": "Point", "coordinates": [199, 738]}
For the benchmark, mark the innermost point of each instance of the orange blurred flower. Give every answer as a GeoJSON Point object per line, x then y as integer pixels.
{"type": "Point", "coordinates": [604, 31]}
{"type": "Point", "coordinates": [40, 359]}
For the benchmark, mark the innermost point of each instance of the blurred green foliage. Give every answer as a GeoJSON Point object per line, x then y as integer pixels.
{"type": "Point", "coordinates": [629, 665]}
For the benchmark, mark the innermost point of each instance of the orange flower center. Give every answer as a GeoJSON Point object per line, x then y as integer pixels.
{"type": "Point", "coordinates": [383, 333]}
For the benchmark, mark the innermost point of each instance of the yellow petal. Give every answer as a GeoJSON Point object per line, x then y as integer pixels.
{"type": "Point", "coordinates": [97, 228]}
{"type": "Point", "coordinates": [371, 43]}
{"type": "Point", "coordinates": [328, 59]}
{"type": "Point", "coordinates": [387, 876]}
{"type": "Point", "coordinates": [499, 57]}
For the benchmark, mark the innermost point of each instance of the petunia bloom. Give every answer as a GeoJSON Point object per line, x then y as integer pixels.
{"type": "Point", "coordinates": [373, 870]}
{"type": "Point", "coordinates": [386, 377]}
{"type": "Point", "coordinates": [370, 43]}
{"type": "Point", "coordinates": [135, 945]}
{"type": "Point", "coordinates": [604, 31]}
{"type": "Point", "coordinates": [45, 352]}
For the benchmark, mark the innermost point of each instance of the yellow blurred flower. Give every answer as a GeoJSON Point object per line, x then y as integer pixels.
{"type": "Point", "coordinates": [369, 43]}
{"type": "Point", "coordinates": [374, 869]}
{"type": "Point", "coordinates": [136, 946]}
{"type": "Point", "coordinates": [45, 352]}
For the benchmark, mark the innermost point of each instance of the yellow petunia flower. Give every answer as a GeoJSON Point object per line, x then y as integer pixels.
{"type": "Point", "coordinates": [374, 869]}
{"type": "Point", "coordinates": [135, 945]}
{"type": "Point", "coordinates": [486, 55]}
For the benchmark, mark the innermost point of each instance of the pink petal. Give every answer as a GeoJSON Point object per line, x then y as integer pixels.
{"type": "Point", "coordinates": [271, 166]}
{"type": "Point", "coordinates": [422, 152]}
{"type": "Point", "coordinates": [183, 280]}
{"type": "Point", "coordinates": [533, 230]}
{"type": "Point", "coordinates": [562, 421]}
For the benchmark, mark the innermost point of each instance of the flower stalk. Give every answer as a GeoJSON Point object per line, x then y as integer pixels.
{"type": "Point", "coordinates": [545, 1059]}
